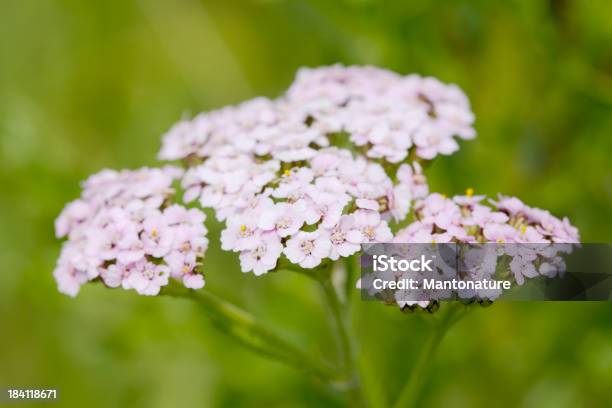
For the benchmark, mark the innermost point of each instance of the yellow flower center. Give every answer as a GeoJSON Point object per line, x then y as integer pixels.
{"type": "Point", "coordinates": [469, 192]}
{"type": "Point", "coordinates": [287, 173]}
{"type": "Point", "coordinates": [243, 228]}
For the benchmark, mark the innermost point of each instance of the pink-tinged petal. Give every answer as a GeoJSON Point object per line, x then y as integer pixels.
{"type": "Point", "coordinates": [367, 204]}
{"type": "Point", "coordinates": [354, 236]}
{"type": "Point", "coordinates": [193, 281]}
{"type": "Point", "coordinates": [127, 257]}
{"type": "Point", "coordinates": [310, 262]}
{"type": "Point", "coordinates": [322, 248]}
{"type": "Point", "coordinates": [347, 249]}
{"type": "Point", "coordinates": [267, 220]}
{"type": "Point", "coordinates": [192, 194]}
{"type": "Point", "coordinates": [294, 254]}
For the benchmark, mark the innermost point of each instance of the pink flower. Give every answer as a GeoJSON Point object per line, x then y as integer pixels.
{"type": "Point", "coordinates": [441, 211]}
{"type": "Point", "coordinates": [367, 204]}
{"type": "Point", "coordinates": [240, 233]}
{"type": "Point", "coordinates": [399, 201]}
{"type": "Point", "coordinates": [295, 146]}
{"type": "Point", "coordinates": [176, 214]}
{"type": "Point", "coordinates": [469, 199]}
{"type": "Point", "coordinates": [130, 247]}
{"type": "Point", "coordinates": [510, 204]}
{"type": "Point", "coordinates": [263, 256]}
{"type": "Point", "coordinates": [431, 141]}
{"type": "Point", "coordinates": [193, 281]}
{"type": "Point", "coordinates": [102, 243]}
{"type": "Point", "coordinates": [341, 246]}
{"type": "Point", "coordinates": [182, 140]}
{"type": "Point", "coordinates": [180, 263]}
{"type": "Point", "coordinates": [147, 278]}
{"type": "Point", "coordinates": [114, 275]}
{"type": "Point", "coordinates": [328, 189]}
{"type": "Point", "coordinates": [69, 279]}
{"type": "Point", "coordinates": [418, 232]}
{"type": "Point", "coordinates": [308, 249]}
{"type": "Point", "coordinates": [522, 268]}
{"type": "Point", "coordinates": [75, 213]}
{"type": "Point", "coordinates": [369, 227]}
{"type": "Point", "coordinates": [157, 236]}
{"type": "Point", "coordinates": [117, 231]}
{"type": "Point", "coordinates": [482, 216]}
{"type": "Point", "coordinates": [285, 219]}
{"type": "Point", "coordinates": [315, 210]}
{"type": "Point", "coordinates": [293, 182]}
{"type": "Point", "coordinates": [413, 177]}
{"type": "Point", "coordinates": [501, 233]}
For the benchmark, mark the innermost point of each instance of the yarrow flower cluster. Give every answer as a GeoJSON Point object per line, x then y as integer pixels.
{"type": "Point", "coordinates": [466, 219]}
{"type": "Point", "coordinates": [385, 115]}
{"type": "Point", "coordinates": [317, 172]}
{"type": "Point", "coordinates": [325, 208]}
{"type": "Point", "coordinates": [311, 176]}
{"type": "Point", "coordinates": [124, 232]}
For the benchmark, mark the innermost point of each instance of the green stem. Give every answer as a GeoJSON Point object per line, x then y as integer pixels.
{"type": "Point", "coordinates": [373, 391]}
{"type": "Point", "coordinates": [340, 325]}
{"type": "Point", "coordinates": [351, 267]}
{"type": "Point", "coordinates": [242, 326]}
{"type": "Point", "coordinates": [410, 392]}
{"type": "Point", "coordinates": [346, 349]}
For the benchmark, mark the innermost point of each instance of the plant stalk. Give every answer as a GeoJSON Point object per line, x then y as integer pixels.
{"type": "Point", "coordinates": [411, 391]}
{"type": "Point", "coordinates": [243, 327]}
{"type": "Point", "coordinates": [346, 348]}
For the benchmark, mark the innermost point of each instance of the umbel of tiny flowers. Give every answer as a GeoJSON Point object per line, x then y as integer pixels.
{"type": "Point", "coordinates": [322, 209]}
{"type": "Point", "coordinates": [385, 115]}
{"type": "Point", "coordinates": [314, 174]}
{"type": "Point", "coordinates": [467, 219]}
{"type": "Point", "coordinates": [124, 231]}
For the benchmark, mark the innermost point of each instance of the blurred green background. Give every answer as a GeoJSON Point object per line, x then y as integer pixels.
{"type": "Point", "coordinates": [91, 84]}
